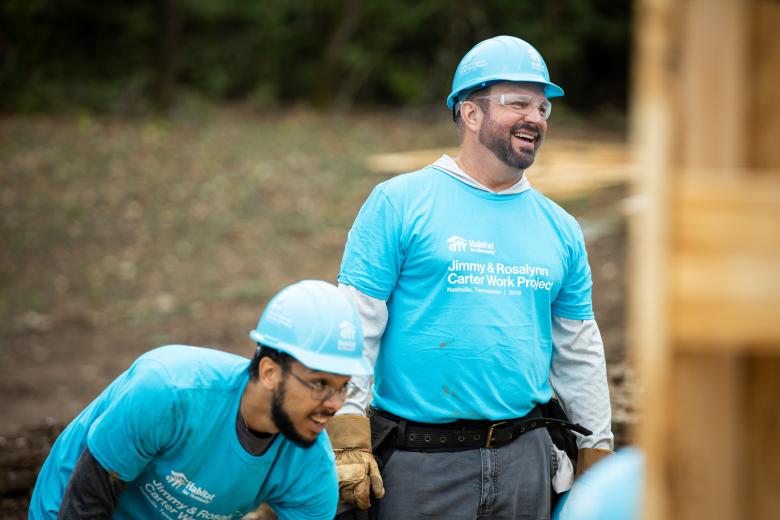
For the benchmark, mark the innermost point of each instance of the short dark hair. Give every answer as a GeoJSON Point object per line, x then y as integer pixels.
{"type": "Point", "coordinates": [280, 358]}
{"type": "Point", "coordinates": [483, 104]}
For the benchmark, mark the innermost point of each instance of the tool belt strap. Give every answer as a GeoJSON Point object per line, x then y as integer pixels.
{"type": "Point", "coordinates": [467, 434]}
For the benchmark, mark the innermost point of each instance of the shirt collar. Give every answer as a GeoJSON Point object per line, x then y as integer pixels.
{"type": "Point", "coordinates": [448, 165]}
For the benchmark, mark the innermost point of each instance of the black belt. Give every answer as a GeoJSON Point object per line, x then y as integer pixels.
{"type": "Point", "coordinates": [467, 434]}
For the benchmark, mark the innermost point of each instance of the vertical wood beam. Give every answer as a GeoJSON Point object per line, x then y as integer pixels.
{"type": "Point", "coordinates": [762, 463]}
{"type": "Point", "coordinates": [762, 431]}
{"type": "Point", "coordinates": [714, 83]}
{"type": "Point", "coordinates": [764, 83]}
{"type": "Point", "coordinates": [652, 113]}
{"type": "Point", "coordinates": [704, 460]}
{"type": "Point", "coordinates": [705, 405]}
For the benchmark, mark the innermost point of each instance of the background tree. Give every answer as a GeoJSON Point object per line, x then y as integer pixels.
{"type": "Point", "coordinates": [129, 56]}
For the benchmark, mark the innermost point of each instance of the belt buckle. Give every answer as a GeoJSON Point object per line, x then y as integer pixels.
{"type": "Point", "coordinates": [489, 439]}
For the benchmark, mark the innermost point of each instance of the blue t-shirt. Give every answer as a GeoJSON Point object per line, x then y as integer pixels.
{"type": "Point", "coordinates": [168, 427]}
{"type": "Point", "coordinates": [471, 279]}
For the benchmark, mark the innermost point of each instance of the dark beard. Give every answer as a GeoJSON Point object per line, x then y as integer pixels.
{"type": "Point", "coordinates": [497, 141]}
{"type": "Point", "coordinates": [283, 421]}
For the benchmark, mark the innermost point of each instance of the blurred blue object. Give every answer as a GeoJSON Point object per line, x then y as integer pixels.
{"type": "Point", "coordinates": [610, 490]}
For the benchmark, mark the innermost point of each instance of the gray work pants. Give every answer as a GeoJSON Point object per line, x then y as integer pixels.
{"type": "Point", "coordinates": [510, 482]}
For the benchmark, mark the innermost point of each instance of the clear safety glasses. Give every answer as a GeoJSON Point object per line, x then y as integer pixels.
{"type": "Point", "coordinates": [522, 104]}
{"type": "Point", "coordinates": [322, 392]}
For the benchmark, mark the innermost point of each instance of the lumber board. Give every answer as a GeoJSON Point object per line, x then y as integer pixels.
{"type": "Point", "coordinates": [725, 263]}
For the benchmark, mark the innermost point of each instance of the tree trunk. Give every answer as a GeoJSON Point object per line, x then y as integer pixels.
{"type": "Point", "coordinates": [165, 74]}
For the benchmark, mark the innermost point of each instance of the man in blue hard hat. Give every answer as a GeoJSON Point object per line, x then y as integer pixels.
{"type": "Point", "coordinates": [189, 432]}
{"type": "Point", "coordinates": [475, 294]}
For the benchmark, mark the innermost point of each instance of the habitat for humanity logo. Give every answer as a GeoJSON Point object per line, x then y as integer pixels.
{"type": "Point", "coordinates": [347, 336]}
{"type": "Point", "coordinates": [180, 482]}
{"type": "Point", "coordinates": [472, 64]}
{"type": "Point", "coordinates": [458, 244]}
{"type": "Point", "coordinates": [536, 60]}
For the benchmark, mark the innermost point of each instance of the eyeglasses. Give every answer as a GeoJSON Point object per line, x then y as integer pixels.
{"type": "Point", "coordinates": [522, 104]}
{"type": "Point", "coordinates": [322, 392]}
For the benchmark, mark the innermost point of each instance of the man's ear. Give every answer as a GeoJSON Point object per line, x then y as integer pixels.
{"type": "Point", "coordinates": [471, 116]}
{"type": "Point", "coordinates": [269, 373]}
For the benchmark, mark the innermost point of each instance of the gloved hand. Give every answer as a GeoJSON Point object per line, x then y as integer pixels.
{"type": "Point", "coordinates": [357, 470]}
{"type": "Point", "coordinates": [586, 457]}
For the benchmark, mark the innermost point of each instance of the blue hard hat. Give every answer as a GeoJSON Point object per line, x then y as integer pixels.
{"type": "Point", "coordinates": [316, 324]}
{"type": "Point", "coordinates": [610, 490]}
{"type": "Point", "coordinates": [501, 58]}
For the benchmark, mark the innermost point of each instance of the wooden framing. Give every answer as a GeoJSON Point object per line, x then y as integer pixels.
{"type": "Point", "coordinates": [705, 256]}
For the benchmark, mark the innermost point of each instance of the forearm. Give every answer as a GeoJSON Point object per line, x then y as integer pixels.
{"type": "Point", "coordinates": [350, 430]}
{"type": "Point", "coordinates": [91, 493]}
{"type": "Point", "coordinates": [579, 378]}
{"type": "Point", "coordinates": [373, 315]}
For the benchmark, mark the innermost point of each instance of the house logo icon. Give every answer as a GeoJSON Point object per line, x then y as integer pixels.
{"type": "Point", "coordinates": [456, 243]}
{"type": "Point", "coordinates": [347, 330]}
{"type": "Point", "coordinates": [177, 479]}
{"type": "Point", "coordinates": [347, 336]}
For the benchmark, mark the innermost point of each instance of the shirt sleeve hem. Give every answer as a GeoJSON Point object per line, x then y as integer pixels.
{"type": "Point", "coordinates": [573, 315]}
{"type": "Point", "coordinates": [105, 464]}
{"type": "Point", "coordinates": [365, 289]}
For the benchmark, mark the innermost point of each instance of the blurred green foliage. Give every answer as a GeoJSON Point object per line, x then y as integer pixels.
{"type": "Point", "coordinates": [129, 56]}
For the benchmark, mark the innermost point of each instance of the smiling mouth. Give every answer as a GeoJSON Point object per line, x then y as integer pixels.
{"type": "Point", "coordinates": [525, 135]}
{"type": "Point", "coordinates": [320, 419]}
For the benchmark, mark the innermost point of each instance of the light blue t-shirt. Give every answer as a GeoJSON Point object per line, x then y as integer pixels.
{"type": "Point", "coordinates": [471, 279]}
{"type": "Point", "coordinates": [168, 427]}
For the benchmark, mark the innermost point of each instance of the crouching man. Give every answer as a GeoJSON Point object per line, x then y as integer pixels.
{"type": "Point", "coordinates": [189, 432]}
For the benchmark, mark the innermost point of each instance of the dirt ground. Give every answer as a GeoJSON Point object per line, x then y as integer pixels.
{"type": "Point", "coordinates": [122, 237]}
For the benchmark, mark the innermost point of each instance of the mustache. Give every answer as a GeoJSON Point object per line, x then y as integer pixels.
{"type": "Point", "coordinates": [323, 412]}
{"type": "Point", "coordinates": [527, 128]}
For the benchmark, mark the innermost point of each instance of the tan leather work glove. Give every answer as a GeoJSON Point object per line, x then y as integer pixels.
{"type": "Point", "coordinates": [586, 457]}
{"type": "Point", "coordinates": [358, 473]}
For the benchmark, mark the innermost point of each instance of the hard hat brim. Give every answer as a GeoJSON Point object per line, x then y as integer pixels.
{"type": "Point", "coordinates": [551, 90]}
{"type": "Point", "coordinates": [357, 366]}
